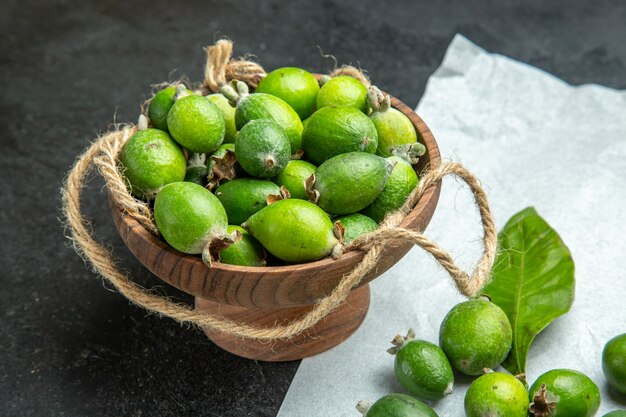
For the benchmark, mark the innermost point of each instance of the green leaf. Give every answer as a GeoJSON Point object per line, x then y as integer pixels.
{"type": "Point", "coordinates": [532, 281]}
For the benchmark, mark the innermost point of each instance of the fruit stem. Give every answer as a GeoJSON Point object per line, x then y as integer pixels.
{"type": "Point", "coordinates": [215, 245]}
{"type": "Point", "coordinates": [378, 101]}
{"type": "Point", "coordinates": [410, 152]}
{"type": "Point", "coordinates": [312, 193]}
{"type": "Point", "coordinates": [181, 91]}
{"type": "Point", "coordinates": [197, 160]}
{"type": "Point", "coordinates": [221, 168]}
{"type": "Point", "coordinates": [363, 406]}
{"type": "Point", "coordinates": [400, 341]}
{"type": "Point", "coordinates": [542, 404]}
{"type": "Point", "coordinates": [323, 79]}
{"type": "Point", "coordinates": [230, 93]}
{"type": "Point", "coordinates": [142, 123]}
{"type": "Point", "coordinates": [339, 231]}
{"type": "Point", "coordinates": [270, 161]}
{"type": "Point", "coordinates": [337, 251]}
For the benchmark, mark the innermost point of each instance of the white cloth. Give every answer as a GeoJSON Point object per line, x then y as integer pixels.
{"type": "Point", "coordinates": [533, 140]}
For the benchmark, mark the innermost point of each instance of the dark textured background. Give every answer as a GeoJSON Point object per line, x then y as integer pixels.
{"type": "Point", "coordinates": [68, 69]}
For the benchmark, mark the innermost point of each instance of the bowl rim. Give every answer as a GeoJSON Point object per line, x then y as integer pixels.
{"type": "Point", "coordinates": [351, 257]}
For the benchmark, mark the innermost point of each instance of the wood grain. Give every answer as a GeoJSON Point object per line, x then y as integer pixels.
{"type": "Point", "coordinates": [332, 330]}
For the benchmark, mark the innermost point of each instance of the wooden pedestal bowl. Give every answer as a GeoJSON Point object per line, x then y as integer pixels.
{"type": "Point", "coordinates": [264, 296]}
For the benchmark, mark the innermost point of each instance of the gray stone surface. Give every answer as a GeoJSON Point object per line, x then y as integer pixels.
{"type": "Point", "coordinates": [68, 69]}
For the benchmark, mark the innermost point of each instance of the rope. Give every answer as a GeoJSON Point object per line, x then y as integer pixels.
{"type": "Point", "coordinates": [103, 154]}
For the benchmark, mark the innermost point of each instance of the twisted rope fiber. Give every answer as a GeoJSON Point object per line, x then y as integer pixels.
{"type": "Point", "coordinates": [103, 154]}
{"type": "Point", "coordinates": [353, 72]}
{"type": "Point", "coordinates": [220, 68]}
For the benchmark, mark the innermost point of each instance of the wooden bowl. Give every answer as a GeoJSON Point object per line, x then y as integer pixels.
{"type": "Point", "coordinates": [266, 295]}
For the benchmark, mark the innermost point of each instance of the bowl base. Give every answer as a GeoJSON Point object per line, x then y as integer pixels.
{"type": "Point", "coordinates": [329, 332]}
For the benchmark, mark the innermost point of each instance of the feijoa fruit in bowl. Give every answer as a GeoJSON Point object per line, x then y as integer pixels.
{"type": "Point", "coordinates": [343, 91]}
{"type": "Point", "coordinates": [196, 123]}
{"type": "Point", "coordinates": [295, 86]}
{"type": "Point", "coordinates": [149, 160]}
{"type": "Point", "coordinates": [336, 130]}
{"type": "Point", "coordinates": [264, 106]}
{"type": "Point", "coordinates": [349, 182]}
{"type": "Point", "coordinates": [334, 185]}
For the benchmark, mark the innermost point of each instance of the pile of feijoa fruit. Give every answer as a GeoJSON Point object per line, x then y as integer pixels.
{"type": "Point", "coordinates": [475, 337]}
{"type": "Point", "coordinates": [285, 174]}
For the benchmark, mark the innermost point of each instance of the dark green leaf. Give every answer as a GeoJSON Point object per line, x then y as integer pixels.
{"type": "Point", "coordinates": [532, 281]}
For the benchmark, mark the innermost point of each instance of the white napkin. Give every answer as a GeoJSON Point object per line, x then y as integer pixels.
{"type": "Point", "coordinates": [533, 140]}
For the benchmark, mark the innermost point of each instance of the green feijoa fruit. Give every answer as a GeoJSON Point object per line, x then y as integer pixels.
{"type": "Point", "coordinates": [395, 405]}
{"type": "Point", "coordinates": [242, 197]}
{"type": "Point", "coordinates": [496, 395]}
{"type": "Point", "coordinates": [614, 363]}
{"type": "Point", "coordinates": [616, 413]}
{"type": "Point", "coordinates": [335, 130]}
{"type": "Point", "coordinates": [343, 91]}
{"type": "Point", "coordinates": [197, 170]}
{"type": "Point", "coordinates": [264, 106]}
{"type": "Point", "coordinates": [150, 159]}
{"type": "Point", "coordinates": [295, 86]}
{"type": "Point", "coordinates": [401, 182]}
{"type": "Point", "coordinates": [196, 123]}
{"type": "Point", "coordinates": [349, 182]}
{"type": "Point", "coordinates": [189, 217]}
{"type": "Point", "coordinates": [421, 367]}
{"type": "Point", "coordinates": [222, 166]}
{"type": "Point", "coordinates": [228, 112]}
{"type": "Point", "coordinates": [262, 148]}
{"type": "Point", "coordinates": [395, 130]}
{"type": "Point", "coordinates": [294, 231]}
{"type": "Point", "coordinates": [355, 225]}
{"type": "Point", "coordinates": [246, 251]}
{"type": "Point", "coordinates": [475, 335]}
{"type": "Point", "coordinates": [564, 392]}
{"type": "Point", "coordinates": [160, 106]}
{"type": "Point", "coordinates": [294, 176]}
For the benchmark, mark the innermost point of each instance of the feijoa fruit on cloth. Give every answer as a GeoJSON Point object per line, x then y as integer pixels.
{"type": "Point", "coordinates": [294, 176]}
{"type": "Point", "coordinates": [343, 91]}
{"type": "Point", "coordinates": [616, 413]}
{"type": "Point", "coordinates": [246, 251]}
{"type": "Point", "coordinates": [149, 160]}
{"type": "Point", "coordinates": [401, 182]}
{"type": "Point", "coordinates": [262, 148]}
{"type": "Point", "coordinates": [355, 225]}
{"type": "Point", "coordinates": [264, 106]}
{"type": "Point", "coordinates": [242, 197]}
{"type": "Point", "coordinates": [197, 170]}
{"type": "Point", "coordinates": [396, 133]}
{"type": "Point", "coordinates": [196, 123]}
{"type": "Point", "coordinates": [475, 334]}
{"type": "Point", "coordinates": [421, 367]}
{"type": "Point", "coordinates": [496, 394]}
{"type": "Point", "coordinates": [160, 106]}
{"type": "Point", "coordinates": [395, 405]}
{"type": "Point", "coordinates": [189, 217]}
{"type": "Point", "coordinates": [294, 231]}
{"type": "Point", "coordinates": [564, 393]}
{"type": "Point", "coordinates": [349, 182]}
{"type": "Point", "coordinates": [335, 130]}
{"type": "Point", "coordinates": [614, 363]}
{"type": "Point", "coordinates": [228, 112]}
{"type": "Point", "coordinates": [295, 86]}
